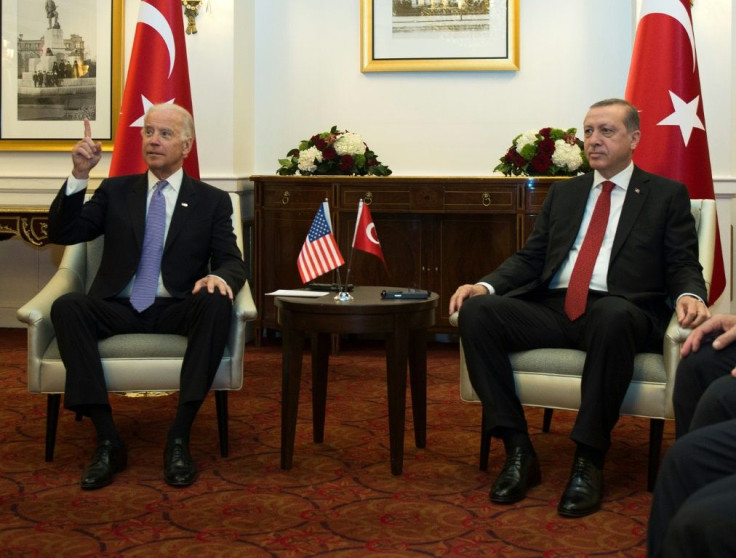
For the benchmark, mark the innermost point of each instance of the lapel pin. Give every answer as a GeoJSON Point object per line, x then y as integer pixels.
{"type": "Point", "coordinates": [637, 190]}
{"type": "Point", "coordinates": [185, 204]}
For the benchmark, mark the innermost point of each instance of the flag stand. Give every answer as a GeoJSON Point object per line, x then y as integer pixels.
{"type": "Point", "coordinates": [342, 290]}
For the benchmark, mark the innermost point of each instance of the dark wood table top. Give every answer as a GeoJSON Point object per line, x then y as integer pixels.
{"type": "Point", "coordinates": [366, 300]}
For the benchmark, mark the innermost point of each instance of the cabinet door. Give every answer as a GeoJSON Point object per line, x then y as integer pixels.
{"type": "Point", "coordinates": [282, 235]}
{"type": "Point", "coordinates": [400, 236]}
{"type": "Point", "coordinates": [533, 200]}
{"type": "Point", "coordinates": [471, 246]}
{"type": "Point", "coordinates": [282, 222]}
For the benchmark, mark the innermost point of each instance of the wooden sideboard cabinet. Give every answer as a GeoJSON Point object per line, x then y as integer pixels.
{"type": "Point", "coordinates": [436, 232]}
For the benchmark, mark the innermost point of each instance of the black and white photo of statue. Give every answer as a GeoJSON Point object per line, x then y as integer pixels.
{"type": "Point", "coordinates": [56, 71]}
{"type": "Point", "coordinates": [52, 14]}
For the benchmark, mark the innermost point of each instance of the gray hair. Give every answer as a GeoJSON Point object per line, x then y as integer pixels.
{"type": "Point", "coordinates": [186, 117]}
{"type": "Point", "coordinates": [631, 116]}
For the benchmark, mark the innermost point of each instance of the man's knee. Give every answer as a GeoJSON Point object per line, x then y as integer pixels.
{"type": "Point", "coordinates": [215, 302]}
{"type": "Point", "coordinates": [615, 317]}
{"type": "Point", "coordinates": [720, 393]}
{"type": "Point", "coordinates": [67, 303]}
{"type": "Point", "coordinates": [612, 308]}
{"type": "Point", "coordinates": [478, 309]}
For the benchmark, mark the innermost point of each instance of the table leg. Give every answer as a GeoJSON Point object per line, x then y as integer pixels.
{"type": "Point", "coordinates": [396, 361]}
{"type": "Point", "coordinates": [418, 382]}
{"type": "Point", "coordinates": [293, 346]}
{"type": "Point", "coordinates": [321, 343]}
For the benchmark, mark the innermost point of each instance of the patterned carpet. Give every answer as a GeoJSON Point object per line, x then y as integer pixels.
{"type": "Point", "coordinates": [338, 500]}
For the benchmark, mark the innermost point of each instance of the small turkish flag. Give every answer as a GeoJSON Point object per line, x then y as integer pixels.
{"type": "Point", "coordinates": [365, 237]}
{"type": "Point", "coordinates": [664, 85]}
{"type": "Point", "coordinates": [158, 72]}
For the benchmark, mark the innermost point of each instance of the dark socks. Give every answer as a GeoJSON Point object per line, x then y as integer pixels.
{"type": "Point", "coordinates": [185, 415]}
{"type": "Point", "coordinates": [595, 456]}
{"type": "Point", "coordinates": [101, 417]}
{"type": "Point", "coordinates": [513, 439]}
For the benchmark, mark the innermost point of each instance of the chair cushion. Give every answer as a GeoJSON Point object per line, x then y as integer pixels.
{"type": "Point", "coordinates": [133, 345]}
{"type": "Point", "coordinates": [648, 367]}
{"type": "Point", "coordinates": [136, 362]}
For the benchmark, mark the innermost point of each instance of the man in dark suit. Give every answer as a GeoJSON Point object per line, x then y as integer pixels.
{"type": "Point", "coordinates": [647, 262]}
{"type": "Point", "coordinates": [694, 502]}
{"type": "Point", "coordinates": [194, 266]}
{"type": "Point", "coordinates": [709, 353]}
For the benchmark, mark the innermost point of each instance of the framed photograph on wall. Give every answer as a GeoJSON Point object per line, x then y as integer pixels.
{"type": "Point", "coordinates": [62, 62]}
{"type": "Point", "coordinates": [439, 35]}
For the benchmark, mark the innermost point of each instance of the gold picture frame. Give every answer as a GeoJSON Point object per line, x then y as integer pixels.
{"type": "Point", "coordinates": [396, 42]}
{"type": "Point", "coordinates": [84, 35]}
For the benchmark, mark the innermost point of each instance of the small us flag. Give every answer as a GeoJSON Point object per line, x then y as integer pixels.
{"type": "Point", "coordinates": [320, 253]}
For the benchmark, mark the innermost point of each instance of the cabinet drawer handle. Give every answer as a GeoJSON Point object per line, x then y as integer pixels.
{"type": "Point", "coordinates": [368, 198]}
{"type": "Point", "coordinates": [486, 199]}
{"type": "Point", "coordinates": [285, 197]}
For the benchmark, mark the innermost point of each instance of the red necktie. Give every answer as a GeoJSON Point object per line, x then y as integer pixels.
{"type": "Point", "coordinates": [577, 290]}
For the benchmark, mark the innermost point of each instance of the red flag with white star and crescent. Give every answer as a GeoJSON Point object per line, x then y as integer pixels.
{"type": "Point", "coordinates": [664, 84]}
{"type": "Point", "coordinates": [158, 72]}
{"type": "Point", "coordinates": [365, 237]}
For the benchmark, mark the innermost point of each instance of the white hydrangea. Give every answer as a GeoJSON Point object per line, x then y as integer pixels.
{"type": "Point", "coordinates": [567, 156]}
{"type": "Point", "coordinates": [530, 136]}
{"type": "Point", "coordinates": [307, 157]}
{"type": "Point", "coordinates": [349, 143]}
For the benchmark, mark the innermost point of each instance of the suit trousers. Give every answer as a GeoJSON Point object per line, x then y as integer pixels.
{"type": "Point", "coordinates": [694, 374]}
{"type": "Point", "coordinates": [81, 320]}
{"type": "Point", "coordinates": [694, 502]}
{"type": "Point", "coordinates": [611, 331]}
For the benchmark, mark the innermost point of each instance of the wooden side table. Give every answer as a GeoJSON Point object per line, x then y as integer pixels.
{"type": "Point", "coordinates": [404, 323]}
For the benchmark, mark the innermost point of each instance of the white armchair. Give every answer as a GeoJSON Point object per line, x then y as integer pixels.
{"type": "Point", "coordinates": [132, 362]}
{"type": "Point", "coordinates": [550, 378]}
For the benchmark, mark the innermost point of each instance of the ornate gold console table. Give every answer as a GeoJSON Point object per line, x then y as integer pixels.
{"type": "Point", "coordinates": [28, 223]}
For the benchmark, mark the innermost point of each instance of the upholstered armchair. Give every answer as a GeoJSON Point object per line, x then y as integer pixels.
{"type": "Point", "coordinates": [550, 378]}
{"type": "Point", "coordinates": [133, 363]}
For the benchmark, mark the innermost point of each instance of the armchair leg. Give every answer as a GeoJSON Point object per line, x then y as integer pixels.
{"type": "Point", "coordinates": [547, 420]}
{"type": "Point", "coordinates": [656, 429]}
{"type": "Point", "coordinates": [52, 421]}
{"type": "Point", "coordinates": [222, 418]}
{"type": "Point", "coordinates": [485, 445]}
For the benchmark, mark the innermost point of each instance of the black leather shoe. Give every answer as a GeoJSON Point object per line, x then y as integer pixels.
{"type": "Point", "coordinates": [584, 490]}
{"type": "Point", "coordinates": [520, 472]}
{"type": "Point", "coordinates": [107, 460]}
{"type": "Point", "coordinates": [179, 468]}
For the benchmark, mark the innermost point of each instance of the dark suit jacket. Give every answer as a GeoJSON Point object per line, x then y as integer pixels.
{"type": "Point", "coordinates": [200, 239]}
{"type": "Point", "coordinates": [654, 258]}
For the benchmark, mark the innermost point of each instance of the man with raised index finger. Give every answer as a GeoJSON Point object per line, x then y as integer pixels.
{"type": "Point", "coordinates": [170, 264]}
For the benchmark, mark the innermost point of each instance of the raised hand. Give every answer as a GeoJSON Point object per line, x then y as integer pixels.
{"type": "Point", "coordinates": [85, 153]}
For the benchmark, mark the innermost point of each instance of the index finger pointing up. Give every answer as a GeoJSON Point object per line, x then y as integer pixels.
{"type": "Point", "coordinates": [87, 129]}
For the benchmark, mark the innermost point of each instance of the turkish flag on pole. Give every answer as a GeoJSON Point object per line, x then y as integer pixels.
{"type": "Point", "coordinates": [158, 73]}
{"type": "Point", "coordinates": [365, 237]}
{"type": "Point", "coordinates": [664, 85]}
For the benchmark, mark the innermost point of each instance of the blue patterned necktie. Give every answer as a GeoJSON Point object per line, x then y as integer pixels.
{"type": "Point", "coordinates": [149, 266]}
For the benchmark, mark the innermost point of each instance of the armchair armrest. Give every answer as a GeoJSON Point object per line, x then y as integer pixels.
{"type": "Point", "coordinates": [453, 319]}
{"type": "Point", "coordinates": [36, 313]}
{"type": "Point", "coordinates": [243, 306]}
{"type": "Point", "coordinates": [244, 309]}
{"type": "Point", "coordinates": [674, 337]}
{"type": "Point", "coordinates": [39, 307]}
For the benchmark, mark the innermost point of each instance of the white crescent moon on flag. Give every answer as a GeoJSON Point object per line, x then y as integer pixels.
{"type": "Point", "coordinates": [152, 17]}
{"type": "Point", "coordinates": [676, 11]}
{"type": "Point", "coordinates": [370, 233]}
